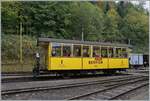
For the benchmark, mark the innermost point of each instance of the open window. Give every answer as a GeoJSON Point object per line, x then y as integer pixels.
{"type": "Point", "coordinates": [111, 52]}
{"type": "Point", "coordinates": [86, 51]}
{"type": "Point", "coordinates": [104, 52]}
{"type": "Point", "coordinates": [96, 51]}
{"type": "Point", "coordinates": [118, 52]}
{"type": "Point", "coordinates": [56, 49]}
{"type": "Point", "coordinates": [77, 50]}
{"type": "Point", "coordinates": [124, 53]}
{"type": "Point", "coordinates": [67, 50]}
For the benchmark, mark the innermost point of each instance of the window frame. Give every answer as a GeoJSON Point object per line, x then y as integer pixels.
{"type": "Point", "coordinates": [120, 54]}
{"type": "Point", "coordinates": [90, 49]}
{"type": "Point", "coordinates": [99, 55]}
{"type": "Point", "coordinates": [80, 50]}
{"type": "Point", "coordinates": [112, 52]}
{"type": "Point", "coordinates": [104, 47]}
{"type": "Point", "coordinates": [67, 44]}
{"type": "Point", "coordinates": [52, 49]}
{"type": "Point", "coordinates": [126, 52]}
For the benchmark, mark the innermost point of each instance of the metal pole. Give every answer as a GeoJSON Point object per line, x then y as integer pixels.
{"type": "Point", "coordinates": [82, 35]}
{"type": "Point", "coordinates": [21, 61]}
{"type": "Point", "coordinates": [129, 41]}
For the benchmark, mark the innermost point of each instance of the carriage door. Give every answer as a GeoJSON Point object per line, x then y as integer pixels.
{"type": "Point", "coordinates": [44, 56]}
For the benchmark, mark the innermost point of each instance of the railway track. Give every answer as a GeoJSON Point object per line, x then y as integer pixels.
{"type": "Point", "coordinates": [111, 92]}
{"type": "Point", "coordinates": [71, 85]}
{"type": "Point", "coordinates": [9, 78]}
{"type": "Point", "coordinates": [28, 78]}
{"type": "Point", "coordinates": [123, 93]}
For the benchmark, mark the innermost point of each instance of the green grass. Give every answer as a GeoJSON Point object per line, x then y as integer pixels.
{"type": "Point", "coordinates": [17, 68]}
{"type": "Point", "coordinates": [11, 53]}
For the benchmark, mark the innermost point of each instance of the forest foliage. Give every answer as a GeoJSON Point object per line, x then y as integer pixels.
{"type": "Point", "coordinates": [104, 21]}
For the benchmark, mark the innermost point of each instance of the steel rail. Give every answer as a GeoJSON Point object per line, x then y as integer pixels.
{"type": "Point", "coordinates": [121, 94]}
{"type": "Point", "coordinates": [105, 89]}
{"type": "Point", "coordinates": [41, 78]}
{"type": "Point", "coordinates": [67, 85]}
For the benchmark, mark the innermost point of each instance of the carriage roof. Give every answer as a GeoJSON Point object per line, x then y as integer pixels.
{"type": "Point", "coordinates": [52, 40]}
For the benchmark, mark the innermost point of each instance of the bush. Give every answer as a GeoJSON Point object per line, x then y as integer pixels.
{"type": "Point", "coordinates": [11, 48]}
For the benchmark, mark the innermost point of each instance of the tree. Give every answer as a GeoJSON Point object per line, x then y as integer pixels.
{"type": "Point", "coordinates": [122, 8]}
{"type": "Point", "coordinates": [10, 17]}
{"type": "Point", "coordinates": [111, 26]}
{"type": "Point", "coordinates": [136, 25]}
{"type": "Point", "coordinates": [85, 18]}
{"type": "Point", "coordinates": [105, 20]}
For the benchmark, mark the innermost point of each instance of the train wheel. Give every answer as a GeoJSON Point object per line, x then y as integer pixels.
{"type": "Point", "coordinates": [105, 72]}
{"type": "Point", "coordinates": [113, 71]}
{"type": "Point", "coordinates": [65, 75]}
{"type": "Point", "coordinates": [109, 72]}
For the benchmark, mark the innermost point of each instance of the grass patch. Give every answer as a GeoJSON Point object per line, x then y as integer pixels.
{"type": "Point", "coordinates": [11, 53]}
{"type": "Point", "coordinates": [17, 68]}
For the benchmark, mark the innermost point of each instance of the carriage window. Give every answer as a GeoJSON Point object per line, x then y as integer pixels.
{"type": "Point", "coordinates": [67, 50]}
{"type": "Point", "coordinates": [111, 52]}
{"type": "Point", "coordinates": [118, 52]}
{"type": "Point", "coordinates": [124, 53]}
{"type": "Point", "coordinates": [86, 51]}
{"type": "Point", "coordinates": [104, 52]}
{"type": "Point", "coordinates": [96, 51]}
{"type": "Point", "coordinates": [77, 50]}
{"type": "Point", "coordinates": [56, 49]}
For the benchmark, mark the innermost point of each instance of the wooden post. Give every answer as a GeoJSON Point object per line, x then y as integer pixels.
{"type": "Point", "coordinates": [82, 34]}
{"type": "Point", "coordinates": [91, 51]}
{"type": "Point", "coordinates": [21, 60]}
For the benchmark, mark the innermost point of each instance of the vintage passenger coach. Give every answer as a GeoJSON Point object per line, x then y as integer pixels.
{"type": "Point", "coordinates": [72, 56]}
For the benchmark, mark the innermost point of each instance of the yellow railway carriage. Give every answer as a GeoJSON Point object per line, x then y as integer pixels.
{"type": "Point", "coordinates": [72, 56]}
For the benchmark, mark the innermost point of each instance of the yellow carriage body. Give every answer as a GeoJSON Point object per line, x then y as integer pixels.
{"type": "Point", "coordinates": [84, 63]}
{"type": "Point", "coordinates": [57, 63]}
